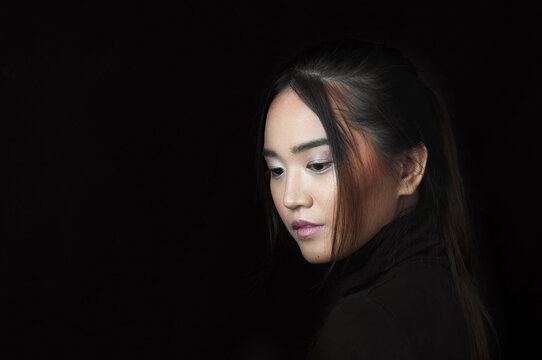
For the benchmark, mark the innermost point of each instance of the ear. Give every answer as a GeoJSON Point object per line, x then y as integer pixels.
{"type": "Point", "coordinates": [412, 169]}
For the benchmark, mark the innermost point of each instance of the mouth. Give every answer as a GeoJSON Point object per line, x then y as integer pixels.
{"type": "Point", "coordinates": [308, 230]}
{"type": "Point", "coordinates": [305, 228]}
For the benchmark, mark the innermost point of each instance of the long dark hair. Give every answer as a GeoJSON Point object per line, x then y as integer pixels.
{"type": "Point", "coordinates": [378, 91]}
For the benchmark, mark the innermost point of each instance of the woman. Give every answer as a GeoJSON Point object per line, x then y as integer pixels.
{"type": "Point", "coordinates": [359, 167]}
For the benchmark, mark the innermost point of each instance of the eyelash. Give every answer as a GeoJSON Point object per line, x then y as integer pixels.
{"type": "Point", "coordinates": [326, 165]}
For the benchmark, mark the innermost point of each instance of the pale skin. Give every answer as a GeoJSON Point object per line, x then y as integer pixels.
{"type": "Point", "coordinates": [303, 178]}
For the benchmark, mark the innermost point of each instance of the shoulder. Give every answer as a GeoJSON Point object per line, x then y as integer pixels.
{"type": "Point", "coordinates": [424, 300]}
{"type": "Point", "coordinates": [361, 328]}
{"type": "Point", "coordinates": [412, 312]}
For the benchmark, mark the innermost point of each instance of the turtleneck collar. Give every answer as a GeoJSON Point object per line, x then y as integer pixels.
{"type": "Point", "coordinates": [402, 240]}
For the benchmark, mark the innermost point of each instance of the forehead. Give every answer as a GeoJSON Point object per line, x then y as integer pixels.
{"type": "Point", "coordinates": [290, 121]}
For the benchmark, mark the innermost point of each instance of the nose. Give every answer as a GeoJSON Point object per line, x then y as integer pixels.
{"type": "Point", "coordinates": [295, 192]}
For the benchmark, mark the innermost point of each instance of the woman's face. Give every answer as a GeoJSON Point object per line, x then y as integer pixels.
{"type": "Point", "coordinates": [303, 178]}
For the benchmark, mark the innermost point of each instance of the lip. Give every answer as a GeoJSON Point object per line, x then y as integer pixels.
{"type": "Point", "coordinates": [304, 228]}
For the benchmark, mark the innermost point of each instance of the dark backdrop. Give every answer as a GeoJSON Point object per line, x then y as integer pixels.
{"type": "Point", "coordinates": [131, 224]}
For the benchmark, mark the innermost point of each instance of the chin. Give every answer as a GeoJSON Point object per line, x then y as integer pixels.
{"type": "Point", "coordinates": [317, 260]}
{"type": "Point", "coordinates": [315, 256]}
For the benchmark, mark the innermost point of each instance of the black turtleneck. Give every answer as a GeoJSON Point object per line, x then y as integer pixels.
{"type": "Point", "coordinates": [393, 298]}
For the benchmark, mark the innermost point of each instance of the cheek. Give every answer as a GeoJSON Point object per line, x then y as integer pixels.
{"type": "Point", "coordinates": [326, 191]}
{"type": "Point", "coordinates": [276, 194]}
{"type": "Point", "coordinates": [382, 202]}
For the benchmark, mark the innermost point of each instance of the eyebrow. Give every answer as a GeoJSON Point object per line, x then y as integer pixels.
{"type": "Point", "coordinates": [298, 148]}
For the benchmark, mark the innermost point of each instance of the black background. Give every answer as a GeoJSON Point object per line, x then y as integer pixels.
{"type": "Point", "coordinates": [131, 224]}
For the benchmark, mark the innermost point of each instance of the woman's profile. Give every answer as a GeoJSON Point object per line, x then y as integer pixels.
{"type": "Point", "coordinates": [358, 166]}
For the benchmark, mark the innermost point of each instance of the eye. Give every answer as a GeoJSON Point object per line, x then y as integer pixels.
{"type": "Point", "coordinates": [320, 167]}
{"type": "Point", "coordinates": [275, 172]}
